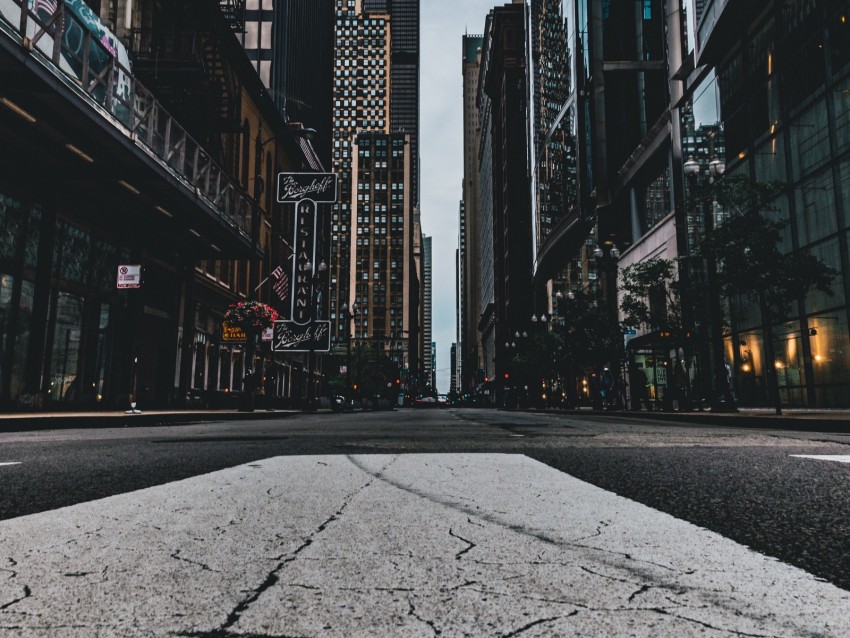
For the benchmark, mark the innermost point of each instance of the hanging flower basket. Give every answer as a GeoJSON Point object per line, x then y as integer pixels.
{"type": "Point", "coordinates": [250, 316]}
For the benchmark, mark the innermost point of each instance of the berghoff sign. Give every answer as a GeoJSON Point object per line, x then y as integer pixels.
{"type": "Point", "coordinates": [290, 337]}
{"type": "Point", "coordinates": [295, 187]}
{"type": "Point", "coordinates": [306, 331]}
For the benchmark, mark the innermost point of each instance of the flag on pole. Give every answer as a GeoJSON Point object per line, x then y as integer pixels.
{"type": "Point", "coordinates": [281, 283]}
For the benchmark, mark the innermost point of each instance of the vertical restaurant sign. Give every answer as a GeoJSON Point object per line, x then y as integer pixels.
{"type": "Point", "coordinates": [305, 331]}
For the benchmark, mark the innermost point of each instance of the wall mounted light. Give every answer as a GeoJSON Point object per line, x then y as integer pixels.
{"type": "Point", "coordinates": [79, 153]}
{"type": "Point", "coordinates": [129, 187]}
{"type": "Point", "coordinates": [17, 110]}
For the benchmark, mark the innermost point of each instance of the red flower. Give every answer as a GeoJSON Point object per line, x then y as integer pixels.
{"type": "Point", "coordinates": [251, 315]}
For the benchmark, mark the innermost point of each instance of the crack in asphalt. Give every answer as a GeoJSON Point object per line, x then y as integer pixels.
{"type": "Point", "coordinates": [273, 577]}
{"type": "Point", "coordinates": [461, 538]}
{"type": "Point", "coordinates": [27, 594]}
{"type": "Point", "coordinates": [12, 563]}
{"type": "Point", "coordinates": [176, 556]}
{"type": "Point", "coordinates": [540, 621]}
{"type": "Point", "coordinates": [665, 612]}
{"type": "Point", "coordinates": [412, 612]}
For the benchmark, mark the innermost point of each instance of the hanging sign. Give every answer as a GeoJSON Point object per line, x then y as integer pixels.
{"type": "Point", "coordinates": [306, 330]}
{"type": "Point", "coordinates": [232, 334]}
{"type": "Point", "coordinates": [296, 187]}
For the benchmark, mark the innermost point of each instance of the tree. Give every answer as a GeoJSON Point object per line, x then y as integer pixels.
{"type": "Point", "coordinates": [539, 360]}
{"type": "Point", "coordinates": [751, 264]}
{"type": "Point", "coordinates": [653, 295]}
{"type": "Point", "coordinates": [592, 338]}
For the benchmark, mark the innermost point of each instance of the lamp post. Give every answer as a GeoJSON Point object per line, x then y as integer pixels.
{"type": "Point", "coordinates": [315, 288]}
{"type": "Point", "coordinates": [722, 400]}
{"type": "Point", "coordinates": [348, 315]}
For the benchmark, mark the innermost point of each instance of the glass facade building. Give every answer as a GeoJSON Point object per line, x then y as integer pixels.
{"type": "Point", "coordinates": [782, 79]}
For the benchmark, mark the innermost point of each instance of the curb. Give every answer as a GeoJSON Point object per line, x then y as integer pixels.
{"type": "Point", "coordinates": [121, 420]}
{"type": "Point", "coordinates": [837, 425]}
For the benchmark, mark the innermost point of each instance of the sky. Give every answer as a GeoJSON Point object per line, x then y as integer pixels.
{"type": "Point", "coordinates": [443, 23]}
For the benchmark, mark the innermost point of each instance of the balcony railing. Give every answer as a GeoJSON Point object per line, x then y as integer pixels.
{"type": "Point", "coordinates": [98, 64]}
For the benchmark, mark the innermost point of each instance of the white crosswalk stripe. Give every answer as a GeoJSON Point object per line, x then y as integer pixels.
{"type": "Point", "coordinates": [11, 463]}
{"type": "Point", "coordinates": [381, 545]}
{"type": "Point", "coordinates": [825, 457]}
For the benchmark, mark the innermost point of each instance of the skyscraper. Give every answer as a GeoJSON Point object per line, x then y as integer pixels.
{"type": "Point", "coordinates": [372, 229]}
{"type": "Point", "coordinates": [404, 73]}
{"type": "Point", "coordinates": [302, 66]}
{"type": "Point", "coordinates": [382, 272]}
{"type": "Point", "coordinates": [290, 44]}
{"type": "Point", "coordinates": [429, 355]}
{"type": "Point", "coordinates": [470, 352]}
{"type": "Point", "coordinates": [360, 105]}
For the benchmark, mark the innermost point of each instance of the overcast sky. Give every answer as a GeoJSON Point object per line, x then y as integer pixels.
{"type": "Point", "coordinates": [443, 24]}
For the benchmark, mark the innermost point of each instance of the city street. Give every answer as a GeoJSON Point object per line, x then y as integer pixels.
{"type": "Point", "coordinates": [425, 522]}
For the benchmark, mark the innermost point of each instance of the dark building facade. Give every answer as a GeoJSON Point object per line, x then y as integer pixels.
{"type": "Point", "coordinates": [505, 85]}
{"type": "Point", "coordinates": [131, 214]}
{"type": "Point", "coordinates": [302, 68]}
{"type": "Point", "coordinates": [779, 73]}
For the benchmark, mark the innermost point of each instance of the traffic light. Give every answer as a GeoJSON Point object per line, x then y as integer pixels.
{"type": "Point", "coordinates": [507, 376]}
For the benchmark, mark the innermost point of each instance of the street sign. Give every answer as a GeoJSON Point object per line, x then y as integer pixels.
{"type": "Point", "coordinates": [129, 276]}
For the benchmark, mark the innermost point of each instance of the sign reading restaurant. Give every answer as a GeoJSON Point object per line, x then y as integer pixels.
{"type": "Point", "coordinates": [306, 330]}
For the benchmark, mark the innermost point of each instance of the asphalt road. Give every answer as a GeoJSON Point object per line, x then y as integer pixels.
{"type": "Point", "coordinates": [742, 484]}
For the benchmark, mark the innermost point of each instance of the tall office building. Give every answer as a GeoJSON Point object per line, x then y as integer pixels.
{"type": "Point", "coordinates": [484, 154]}
{"type": "Point", "coordinates": [302, 66]}
{"type": "Point", "coordinates": [404, 73]}
{"type": "Point", "coordinates": [504, 82]}
{"type": "Point", "coordinates": [382, 273]}
{"type": "Point", "coordinates": [470, 359]}
{"type": "Point", "coordinates": [429, 354]}
{"type": "Point", "coordinates": [360, 105]}
{"type": "Point", "coordinates": [553, 167]}
{"type": "Point", "coordinates": [290, 44]}
{"type": "Point", "coordinates": [373, 226]}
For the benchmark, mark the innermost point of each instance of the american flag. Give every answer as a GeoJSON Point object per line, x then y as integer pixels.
{"type": "Point", "coordinates": [281, 283]}
{"type": "Point", "coordinates": [46, 6]}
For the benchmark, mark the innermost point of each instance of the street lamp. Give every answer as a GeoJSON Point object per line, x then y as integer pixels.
{"type": "Point", "coordinates": [722, 400]}
{"type": "Point", "coordinates": [348, 315]}
{"type": "Point", "coordinates": [315, 279]}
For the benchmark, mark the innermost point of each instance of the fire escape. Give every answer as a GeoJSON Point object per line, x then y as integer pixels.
{"type": "Point", "coordinates": [185, 62]}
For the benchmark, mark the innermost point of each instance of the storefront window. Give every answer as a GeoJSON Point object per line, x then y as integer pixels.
{"type": "Point", "coordinates": [64, 359]}
{"type": "Point", "coordinates": [830, 358]}
{"type": "Point", "coordinates": [790, 368]}
{"type": "Point", "coordinates": [100, 357]}
{"type": "Point", "coordinates": [6, 284]}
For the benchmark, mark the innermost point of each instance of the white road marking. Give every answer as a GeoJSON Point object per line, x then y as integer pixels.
{"type": "Point", "coordinates": [825, 457]}
{"type": "Point", "coordinates": [419, 544]}
{"type": "Point", "coordinates": [11, 463]}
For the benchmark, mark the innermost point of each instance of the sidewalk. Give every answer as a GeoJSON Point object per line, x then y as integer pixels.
{"type": "Point", "coordinates": [806, 419]}
{"type": "Point", "coordinates": [21, 421]}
